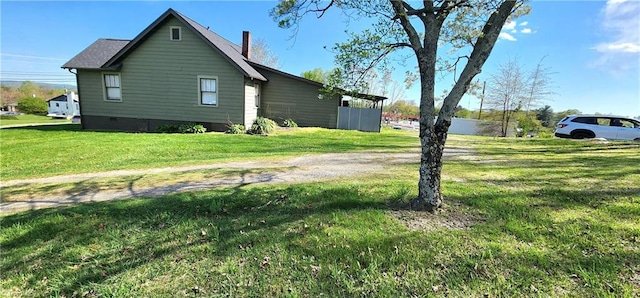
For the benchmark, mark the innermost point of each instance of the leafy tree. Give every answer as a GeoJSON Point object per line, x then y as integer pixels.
{"type": "Point", "coordinates": [32, 105]}
{"type": "Point", "coordinates": [462, 112]}
{"type": "Point", "coordinates": [528, 123]}
{"type": "Point", "coordinates": [403, 108]}
{"type": "Point", "coordinates": [559, 115]}
{"type": "Point", "coordinates": [28, 89]}
{"type": "Point", "coordinates": [316, 74]}
{"type": "Point", "coordinates": [261, 53]}
{"type": "Point", "coordinates": [545, 116]}
{"type": "Point", "coordinates": [471, 26]}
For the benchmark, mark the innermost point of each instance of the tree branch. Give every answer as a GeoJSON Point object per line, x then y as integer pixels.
{"type": "Point", "coordinates": [401, 14]}
{"type": "Point", "coordinates": [478, 56]}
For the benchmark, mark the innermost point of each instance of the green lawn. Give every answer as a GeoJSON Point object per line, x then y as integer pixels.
{"type": "Point", "coordinates": [66, 149]}
{"type": "Point", "coordinates": [31, 119]}
{"type": "Point", "coordinates": [523, 218]}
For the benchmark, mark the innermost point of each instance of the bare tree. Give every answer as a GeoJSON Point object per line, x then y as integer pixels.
{"type": "Point", "coordinates": [540, 85]}
{"type": "Point", "coordinates": [261, 53]}
{"type": "Point", "coordinates": [507, 92]}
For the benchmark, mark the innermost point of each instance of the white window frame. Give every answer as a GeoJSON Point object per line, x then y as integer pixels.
{"type": "Point", "coordinates": [104, 86]}
{"type": "Point", "coordinates": [171, 33]}
{"type": "Point", "coordinates": [257, 91]}
{"type": "Point", "coordinates": [217, 83]}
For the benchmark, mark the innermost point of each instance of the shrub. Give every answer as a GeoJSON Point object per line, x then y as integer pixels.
{"type": "Point", "coordinates": [8, 117]}
{"type": "Point", "coordinates": [262, 126]}
{"type": "Point", "coordinates": [167, 128]}
{"type": "Point", "coordinates": [235, 129]}
{"type": "Point", "coordinates": [546, 135]}
{"type": "Point", "coordinates": [289, 123]}
{"type": "Point", "coordinates": [191, 128]}
{"type": "Point", "coordinates": [32, 105]}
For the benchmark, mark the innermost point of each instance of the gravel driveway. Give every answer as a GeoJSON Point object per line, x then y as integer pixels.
{"type": "Point", "coordinates": [305, 168]}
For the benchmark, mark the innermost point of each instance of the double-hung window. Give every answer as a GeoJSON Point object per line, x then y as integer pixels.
{"type": "Point", "coordinates": [208, 91]}
{"type": "Point", "coordinates": [112, 87]}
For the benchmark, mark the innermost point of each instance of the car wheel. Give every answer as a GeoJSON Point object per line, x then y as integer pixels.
{"type": "Point", "coordinates": [581, 135]}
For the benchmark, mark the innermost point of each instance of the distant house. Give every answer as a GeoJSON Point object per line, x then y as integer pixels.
{"type": "Point", "coordinates": [178, 71]}
{"type": "Point", "coordinates": [64, 106]}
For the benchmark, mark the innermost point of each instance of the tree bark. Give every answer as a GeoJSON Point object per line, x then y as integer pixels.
{"type": "Point", "coordinates": [433, 134]}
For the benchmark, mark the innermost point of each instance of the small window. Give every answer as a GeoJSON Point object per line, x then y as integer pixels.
{"type": "Point", "coordinates": [257, 93]}
{"type": "Point", "coordinates": [57, 105]}
{"type": "Point", "coordinates": [112, 87]}
{"type": "Point", "coordinates": [208, 91]}
{"type": "Point", "coordinates": [175, 33]}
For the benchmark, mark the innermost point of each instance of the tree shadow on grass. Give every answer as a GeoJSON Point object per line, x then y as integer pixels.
{"type": "Point", "coordinates": [90, 243]}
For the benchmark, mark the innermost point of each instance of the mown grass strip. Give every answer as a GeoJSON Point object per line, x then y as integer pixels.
{"type": "Point", "coordinates": [537, 229]}
{"type": "Point", "coordinates": [66, 149]}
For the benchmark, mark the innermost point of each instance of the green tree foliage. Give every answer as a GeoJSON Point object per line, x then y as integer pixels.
{"type": "Point", "coordinates": [545, 116]}
{"type": "Point", "coordinates": [462, 112]}
{"type": "Point", "coordinates": [11, 95]}
{"type": "Point", "coordinates": [32, 105]}
{"type": "Point", "coordinates": [316, 74]}
{"type": "Point", "coordinates": [528, 123]}
{"type": "Point", "coordinates": [403, 108]}
{"type": "Point", "coordinates": [559, 115]}
{"type": "Point", "coordinates": [29, 89]}
{"type": "Point", "coordinates": [468, 28]}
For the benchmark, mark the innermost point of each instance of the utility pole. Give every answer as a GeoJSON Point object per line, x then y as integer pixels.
{"type": "Point", "coordinates": [484, 86]}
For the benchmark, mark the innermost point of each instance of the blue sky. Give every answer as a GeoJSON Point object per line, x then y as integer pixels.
{"type": "Point", "coordinates": [593, 47]}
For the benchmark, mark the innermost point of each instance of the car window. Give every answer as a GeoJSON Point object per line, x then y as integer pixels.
{"type": "Point", "coordinates": [604, 121]}
{"type": "Point", "coordinates": [629, 123]}
{"type": "Point", "coordinates": [586, 120]}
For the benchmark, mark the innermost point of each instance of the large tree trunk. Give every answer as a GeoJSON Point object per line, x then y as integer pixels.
{"type": "Point", "coordinates": [433, 133]}
{"type": "Point", "coordinates": [429, 195]}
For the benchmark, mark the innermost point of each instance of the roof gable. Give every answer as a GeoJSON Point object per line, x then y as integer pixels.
{"type": "Point", "coordinates": [97, 54]}
{"type": "Point", "coordinates": [224, 47]}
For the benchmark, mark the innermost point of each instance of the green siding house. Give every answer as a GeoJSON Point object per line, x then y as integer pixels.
{"type": "Point", "coordinates": [178, 71]}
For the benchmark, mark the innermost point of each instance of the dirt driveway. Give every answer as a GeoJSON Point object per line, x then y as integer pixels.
{"type": "Point", "coordinates": [300, 169]}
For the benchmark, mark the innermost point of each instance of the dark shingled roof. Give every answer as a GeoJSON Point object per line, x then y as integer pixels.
{"type": "Point", "coordinates": [62, 97]}
{"type": "Point", "coordinates": [97, 54]}
{"type": "Point", "coordinates": [231, 50]}
{"type": "Point", "coordinates": [226, 48]}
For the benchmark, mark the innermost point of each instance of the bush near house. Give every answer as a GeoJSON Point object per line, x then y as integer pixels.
{"type": "Point", "coordinates": [289, 123]}
{"type": "Point", "coordinates": [32, 105]}
{"type": "Point", "coordinates": [236, 129]}
{"type": "Point", "coordinates": [262, 126]}
{"type": "Point", "coordinates": [182, 128]}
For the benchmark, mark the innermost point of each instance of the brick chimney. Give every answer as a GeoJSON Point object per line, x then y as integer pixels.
{"type": "Point", "coordinates": [246, 44]}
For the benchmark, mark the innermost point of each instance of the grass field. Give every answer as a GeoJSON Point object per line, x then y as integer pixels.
{"type": "Point", "coordinates": [65, 149]}
{"type": "Point", "coordinates": [31, 119]}
{"type": "Point", "coordinates": [523, 218]}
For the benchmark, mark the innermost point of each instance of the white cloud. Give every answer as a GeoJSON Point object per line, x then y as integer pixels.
{"type": "Point", "coordinates": [620, 23]}
{"type": "Point", "coordinates": [509, 30]}
{"type": "Point", "coordinates": [507, 36]}
{"type": "Point", "coordinates": [509, 25]}
{"type": "Point", "coordinates": [625, 47]}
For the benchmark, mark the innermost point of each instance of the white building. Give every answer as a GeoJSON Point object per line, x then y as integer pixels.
{"type": "Point", "coordinates": [64, 106]}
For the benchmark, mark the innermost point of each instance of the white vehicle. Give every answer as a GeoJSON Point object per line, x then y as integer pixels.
{"type": "Point", "coordinates": [598, 126]}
